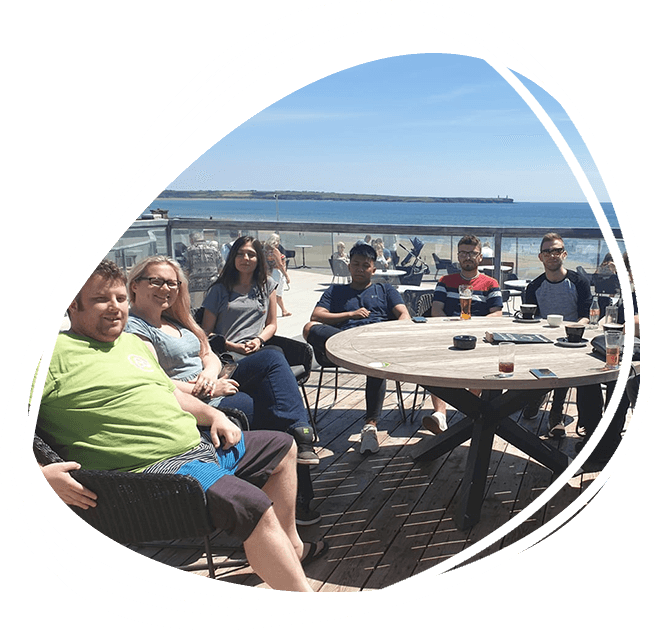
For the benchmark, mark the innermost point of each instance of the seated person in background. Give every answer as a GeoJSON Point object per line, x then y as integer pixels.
{"type": "Point", "coordinates": [341, 252]}
{"type": "Point", "coordinates": [564, 292]}
{"type": "Point", "coordinates": [386, 253]}
{"type": "Point", "coordinates": [380, 261]}
{"type": "Point", "coordinates": [358, 303]}
{"type": "Point", "coordinates": [204, 263]}
{"type": "Point", "coordinates": [607, 267]}
{"type": "Point", "coordinates": [486, 301]}
{"type": "Point", "coordinates": [107, 405]}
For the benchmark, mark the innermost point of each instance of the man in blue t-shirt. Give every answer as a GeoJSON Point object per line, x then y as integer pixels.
{"type": "Point", "coordinates": [356, 304]}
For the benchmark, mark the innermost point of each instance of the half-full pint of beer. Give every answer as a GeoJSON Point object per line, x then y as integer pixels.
{"type": "Point", "coordinates": [465, 295]}
{"type": "Point", "coordinates": [465, 304]}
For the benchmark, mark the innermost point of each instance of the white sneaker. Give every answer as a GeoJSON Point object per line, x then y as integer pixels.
{"type": "Point", "coordinates": [436, 423]}
{"type": "Point", "coordinates": [369, 439]}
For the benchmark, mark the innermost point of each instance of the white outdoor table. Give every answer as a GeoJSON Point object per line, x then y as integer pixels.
{"type": "Point", "coordinates": [304, 247]}
{"type": "Point", "coordinates": [485, 268]}
{"type": "Point", "coordinates": [390, 275]}
{"type": "Point", "coordinates": [517, 284]}
{"type": "Point", "coordinates": [401, 288]}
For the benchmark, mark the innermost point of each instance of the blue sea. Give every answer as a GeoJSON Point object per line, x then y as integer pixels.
{"type": "Point", "coordinates": [552, 215]}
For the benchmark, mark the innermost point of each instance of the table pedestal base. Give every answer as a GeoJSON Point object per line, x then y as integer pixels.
{"type": "Point", "coordinates": [486, 416]}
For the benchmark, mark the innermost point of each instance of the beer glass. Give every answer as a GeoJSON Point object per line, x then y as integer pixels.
{"type": "Point", "coordinates": [465, 295]}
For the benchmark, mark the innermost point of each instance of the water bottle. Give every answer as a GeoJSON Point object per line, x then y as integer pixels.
{"type": "Point", "coordinates": [594, 313]}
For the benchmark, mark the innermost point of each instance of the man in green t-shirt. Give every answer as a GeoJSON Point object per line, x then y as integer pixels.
{"type": "Point", "coordinates": [107, 405]}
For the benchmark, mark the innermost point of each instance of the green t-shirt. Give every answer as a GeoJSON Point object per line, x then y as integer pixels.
{"type": "Point", "coordinates": [110, 406]}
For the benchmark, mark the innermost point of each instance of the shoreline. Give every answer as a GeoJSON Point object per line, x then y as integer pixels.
{"type": "Point", "coordinates": [288, 195]}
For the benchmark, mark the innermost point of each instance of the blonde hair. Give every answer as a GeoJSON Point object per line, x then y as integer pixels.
{"type": "Point", "coordinates": [180, 311]}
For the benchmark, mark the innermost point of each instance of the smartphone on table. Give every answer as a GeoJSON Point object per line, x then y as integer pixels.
{"type": "Point", "coordinates": [543, 373]}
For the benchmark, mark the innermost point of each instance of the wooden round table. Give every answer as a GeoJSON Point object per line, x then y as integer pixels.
{"type": "Point", "coordinates": [423, 353]}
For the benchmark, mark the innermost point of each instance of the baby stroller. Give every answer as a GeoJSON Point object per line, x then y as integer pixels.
{"type": "Point", "coordinates": [414, 267]}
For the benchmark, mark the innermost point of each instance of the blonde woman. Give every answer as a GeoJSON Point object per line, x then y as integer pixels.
{"type": "Point", "coordinates": [262, 386]}
{"type": "Point", "coordinates": [158, 291]}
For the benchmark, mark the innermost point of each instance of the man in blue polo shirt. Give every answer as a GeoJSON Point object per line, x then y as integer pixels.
{"type": "Point", "coordinates": [345, 306]}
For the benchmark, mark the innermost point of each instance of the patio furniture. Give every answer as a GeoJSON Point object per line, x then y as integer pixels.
{"type": "Point", "coordinates": [140, 508]}
{"type": "Point", "coordinates": [606, 285]}
{"type": "Point", "coordinates": [304, 247]}
{"type": "Point", "coordinates": [392, 276]}
{"type": "Point", "coordinates": [515, 288]}
{"type": "Point", "coordinates": [418, 302]}
{"type": "Point", "coordinates": [339, 269]}
{"type": "Point", "coordinates": [289, 254]}
{"type": "Point", "coordinates": [388, 350]}
{"type": "Point", "coordinates": [440, 264]}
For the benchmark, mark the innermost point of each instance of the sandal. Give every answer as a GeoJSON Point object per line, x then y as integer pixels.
{"type": "Point", "coordinates": [315, 551]}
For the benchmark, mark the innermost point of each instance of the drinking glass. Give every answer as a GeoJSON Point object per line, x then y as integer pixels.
{"type": "Point", "coordinates": [465, 295]}
{"type": "Point", "coordinates": [506, 351]}
{"type": "Point", "coordinates": [612, 315]}
{"type": "Point", "coordinates": [613, 343]}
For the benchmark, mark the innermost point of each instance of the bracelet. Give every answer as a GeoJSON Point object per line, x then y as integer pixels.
{"type": "Point", "coordinates": [260, 339]}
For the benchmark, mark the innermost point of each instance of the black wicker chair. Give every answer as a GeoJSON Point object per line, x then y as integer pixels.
{"type": "Point", "coordinates": [418, 303]}
{"type": "Point", "coordinates": [136, 508]}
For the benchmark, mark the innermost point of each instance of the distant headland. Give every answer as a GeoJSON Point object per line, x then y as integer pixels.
{"type": "Point", "coordinates": [283, 195]}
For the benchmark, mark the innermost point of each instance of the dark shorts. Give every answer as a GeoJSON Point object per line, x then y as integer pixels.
{"type": "Point", "coordinates": [236, 502]}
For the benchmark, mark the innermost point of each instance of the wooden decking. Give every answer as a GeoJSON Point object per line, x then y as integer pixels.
{"type": "Point", "coordinates": [387, 517]}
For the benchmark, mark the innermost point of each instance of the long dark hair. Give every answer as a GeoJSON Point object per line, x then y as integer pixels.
{"type": "Point", "coordinates": [230, 276]}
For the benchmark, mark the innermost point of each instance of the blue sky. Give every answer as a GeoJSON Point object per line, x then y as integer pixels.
{"type": "Point", "coordinates": [430, 124]}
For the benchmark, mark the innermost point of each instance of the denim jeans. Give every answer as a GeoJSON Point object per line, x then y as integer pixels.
{"type": "Point", "coordinates": [375, 387]}
{"type": "Point", "coordinates": [268, 392]}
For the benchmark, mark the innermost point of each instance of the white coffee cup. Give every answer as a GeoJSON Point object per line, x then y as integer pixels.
{"type": "Point", "coordinates": [555, 320]}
